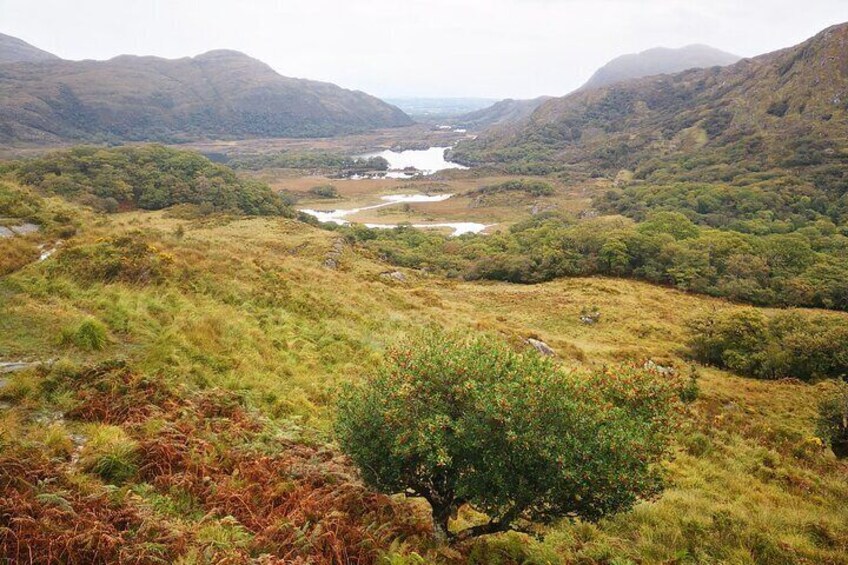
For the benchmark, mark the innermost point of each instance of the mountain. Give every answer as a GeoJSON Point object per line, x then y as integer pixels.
{"type": "Point", "coordinates": [783, 109]}
{"type": "Point", "coordinates": [220, 94]}
{"type": "Point", "coordinates": [437, 109]}
{"type": "Point", "coordinates": [14, 50]}
{"type": "Point", "coordinates": [658, 61]}
{"type": "Point", "coordinates": [505, 111]}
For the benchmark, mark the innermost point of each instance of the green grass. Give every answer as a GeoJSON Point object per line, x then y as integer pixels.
{"type": "Point", "coordinates": [246, 307]}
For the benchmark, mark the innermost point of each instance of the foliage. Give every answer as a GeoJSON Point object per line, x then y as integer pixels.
{"type": "Point", "coordinates": [315, 161]}
{"type": "Point", "coordinates": [90, 335]}
{"type": "Point", "coordinates": [128, 258]}
{"type": "Point", "coordinates": [470, 421]}
{"type": "Point", "coordinates": [805, 268]}
{"type": "Point", "coordinates": [149, 177]}
{"type": "Point", "coordinates": [529, 186]}
{"type": "Point", "coordinates": [833, 421]}
{"type": "Point", "coordinates": [324, 191]}
{"type": "Point", "coordinates": [789, 344]}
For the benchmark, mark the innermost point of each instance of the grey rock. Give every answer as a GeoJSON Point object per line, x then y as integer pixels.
{"type": "Point", "coordinates": [25, 229]}
{"type": "Point", "coordinates": [6, 232]}
{"type": "Point", "coordinates": [542, 347]}
{"type": "Point", "coordinates": [651, 365]}
{"type": "Point", "coordinates": [394, 276]}
{"type": "Point", "coordinates": [12, 366]}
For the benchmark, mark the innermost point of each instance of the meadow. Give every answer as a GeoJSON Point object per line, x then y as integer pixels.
{"type": "Point", "coordinates": [183, 352]}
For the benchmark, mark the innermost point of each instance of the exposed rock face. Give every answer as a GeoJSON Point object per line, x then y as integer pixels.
{"type": "Point", "coordinates": [396, 276]}
{"type": "Point", "coordinates": [333, 257]}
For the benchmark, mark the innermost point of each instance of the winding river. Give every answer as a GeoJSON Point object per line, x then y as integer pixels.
{"type": "Point", "coordinates": [340, 216]}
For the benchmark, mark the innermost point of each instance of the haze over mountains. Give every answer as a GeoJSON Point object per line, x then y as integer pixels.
{"type": "Point", "coordinates": [658, 61]}
{"type": "Point", "coordinates": [221, 94]}
{"type": "Point", "coordinates": [767, 109]}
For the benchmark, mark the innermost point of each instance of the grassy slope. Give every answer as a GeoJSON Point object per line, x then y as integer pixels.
{"type": "Point", "coordinates": [247, 305]}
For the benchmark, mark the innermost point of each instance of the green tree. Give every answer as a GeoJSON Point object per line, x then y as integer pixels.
{"type": "Point", "coordinates": [470, 421]}
{"type": "Point", "coordinates": [833, 421]}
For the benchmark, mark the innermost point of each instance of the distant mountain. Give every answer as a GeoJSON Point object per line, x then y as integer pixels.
{"type": "Point", "coordinates": [14, 50]}
{"type": "Point", "coordinates": [783, 109]}
{"type": "Point", "coordinates": [658, 61]}
{"type": "Point", "coordinates": [435, 109]}
{"type": "Point", "coordinates": [503, 112]}
{"type": "Point", "coordinates": [220, 94]}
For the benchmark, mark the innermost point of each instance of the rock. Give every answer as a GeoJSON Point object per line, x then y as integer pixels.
{"type": "Point", "coordinates": [12, 366]}
{"type": "Point", "coordinates": [331, 260]}
{"type": "Point", "coordinates": [394, 276]}
{"type": "Point", "coordinates": [25, 229]}
{"type": "Point", "coordinates": [652, 366]}
{"type": "Point", "coordinates": [542, 347]}
{"type": "Point", "coordinates": [590, 318]}
{"type": "Point", "coordinates": [6, 232]}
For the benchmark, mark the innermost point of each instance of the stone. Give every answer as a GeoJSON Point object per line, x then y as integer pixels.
{"type": "Point", "coordinates": [542, 347]}
{"type": "Point", "coordinates": [394, 276]}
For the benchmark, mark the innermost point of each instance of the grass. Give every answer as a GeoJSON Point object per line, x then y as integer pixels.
{"type": "Point", "coordinates": [227, 373]}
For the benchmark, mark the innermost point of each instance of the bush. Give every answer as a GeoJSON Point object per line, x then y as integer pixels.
{"type": "Point", "coordinates": [790, 344]}
{"type": "Point", "coordinates": [324, 191]}
{"type": "Point", "coordinates": [110, 454]}
{"type": "Point", "coordinates": [469, 421]}
{"type": "Point", "coordinates": [127, 259]}
{"type": "Point", "coordinates": [833, 421]}
{"type": "Point", "coordinates": [90, 335]}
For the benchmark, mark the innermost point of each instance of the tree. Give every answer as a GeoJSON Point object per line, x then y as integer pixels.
{"type": "Point", "coordinates": [470, 421]}
{"type": "Point", "coordinates": [833, 421]}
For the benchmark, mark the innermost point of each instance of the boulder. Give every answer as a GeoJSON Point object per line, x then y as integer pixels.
{"type": "Point", "coordinates": [542, 347]}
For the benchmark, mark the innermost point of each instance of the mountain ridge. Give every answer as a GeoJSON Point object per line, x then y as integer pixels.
{"type": "Point", "coordinates": [761, 108]}
{"type": "Point", "coordinates": [657, 61]}
{"type": "Point", "coordinates": [217, 94]}
{"type": "Point", "coordinates": [14, 50]}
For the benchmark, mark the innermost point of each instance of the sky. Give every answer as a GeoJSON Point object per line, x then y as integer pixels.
{"type": "Point", "coordinates": [424, 48]}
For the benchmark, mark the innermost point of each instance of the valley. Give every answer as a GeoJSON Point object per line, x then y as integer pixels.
{"type": "Point", "coordinates": [255, 320]}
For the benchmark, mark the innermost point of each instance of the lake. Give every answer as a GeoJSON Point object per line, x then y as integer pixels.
{"type": "Point", "coordinates": [424, 161]}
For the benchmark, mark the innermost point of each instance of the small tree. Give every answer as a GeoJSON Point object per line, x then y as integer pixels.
{"type": "Point", "coordinates": [469, 421]}
{"type": "Point", "coordinates": [833, 421]}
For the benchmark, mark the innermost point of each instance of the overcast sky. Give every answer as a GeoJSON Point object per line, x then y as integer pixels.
{"type": "Point", "coordinates": [485, 48]}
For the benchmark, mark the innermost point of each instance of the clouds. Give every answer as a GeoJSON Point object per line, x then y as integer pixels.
{"type": "Point", "coordinates": [493, 48]}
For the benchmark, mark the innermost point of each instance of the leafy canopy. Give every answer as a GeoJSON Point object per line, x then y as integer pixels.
{"type": "Point", "coordinates": [470, 421]}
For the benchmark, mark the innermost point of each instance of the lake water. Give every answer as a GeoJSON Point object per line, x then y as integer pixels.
{"type": "Point", "coordinates": [424, 161]}
{"type": "Point", "coordinates": [340, 216]}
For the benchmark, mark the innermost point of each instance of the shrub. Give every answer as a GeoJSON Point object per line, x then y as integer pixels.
{"type": "Point", "coordinates": [790, 344]}
{"type": "Point", "coordinates": [127, 259]}
{"type": "Point", "coordinates": [833, 421]}
{"type": "Point", "coordinates": [110, 454]}
{"type": "Point", "coordinates": [90, 335]}
{"type": "Point", "coordinates": [469, 421]}
{"type": "Point", "coordinates": [324, 191]}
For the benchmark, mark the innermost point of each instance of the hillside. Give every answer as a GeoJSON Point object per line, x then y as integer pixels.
{"type": "Point", "coordinates": [220, 94]}
{"type": "Point", "coordinates": [784, 110]}
{"type": "Point", "coordinates": [503, 112]}
{"type": "Point", "coordinates": [14, 50]}
{"type": "Point", "coordinates": [659, 61]}
{"type": "Point", "coordinates": [186, 417]}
